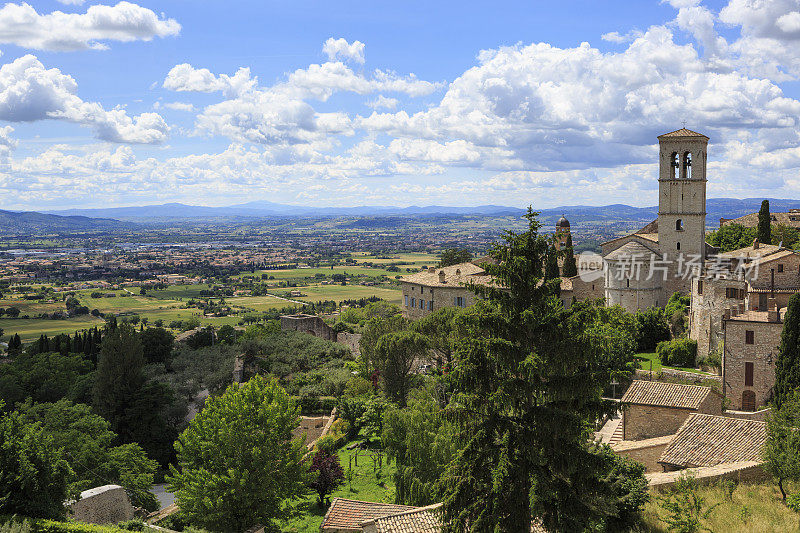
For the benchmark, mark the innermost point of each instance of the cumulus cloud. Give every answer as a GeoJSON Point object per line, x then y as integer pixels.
{"type": "Point", "coordinates": [341, 49]}
{"type": "Point", "coordinates": [175, 106]}
{"type": "Point", "coordinates": [30, 92]}
{"type": "Point", "coordinates": [383, 102]}
{"type": "Point", "coordinates": [22, 25]}
{"type": "Point", "coordinates": [72, 2]}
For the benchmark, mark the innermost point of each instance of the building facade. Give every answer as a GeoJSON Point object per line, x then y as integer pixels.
{"type": "Point", "coordinates": [751, 340]}
{"type": "Point", "coordinates": [643, 269]}
{"type": "Point", "coordinates": [434, 288]}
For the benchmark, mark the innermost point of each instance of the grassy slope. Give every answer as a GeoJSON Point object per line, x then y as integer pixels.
{"type": "Point", "coordinates": [366, 486]}
{"type": "Point", "coordinates": [753, 508]}
{"type": "Point", "coordinates": [646, 358]}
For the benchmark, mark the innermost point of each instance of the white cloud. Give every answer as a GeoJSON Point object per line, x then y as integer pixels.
{"type": "Point", "coordinates": [383, 102]}
{"type": "Point", "coordinates": [20, 24]}
{"type": "Point", "coordinates": [341, 49]}
{"type": "Point", "coordinates": [30, 92]}
{"type": "Point", "coordinates": [175, 106]}
{"type": "Point", "coordinates": [72, 2]}
{"type": "Point", "coordinates": [185, 77]}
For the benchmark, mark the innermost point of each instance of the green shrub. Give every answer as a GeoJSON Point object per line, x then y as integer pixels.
{"type": "Point", "coordinates": [310, 405]}
{"type": "Point", "coordinates": [650, 328]}
{"type": "Point", "coordinates": [678, 352]}
{"type": "Point", "coordinates": [16, 527]}
{"type": "Point", "coordinates": [793, 502]}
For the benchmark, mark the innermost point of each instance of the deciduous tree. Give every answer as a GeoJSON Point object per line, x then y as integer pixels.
{"type": "Point", "coordinates": [327, 474]}
{"type": "Point", "coordinates": [399, 351]}
{"type": "Point", "coordinates": [237, 460]}
{"type": "Point", "coordinates": [454, 256]}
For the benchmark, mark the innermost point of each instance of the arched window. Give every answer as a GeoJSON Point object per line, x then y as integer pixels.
{"type": "Point", "coordinates": [679, 225]}
{"type": "Point", "coordinates": [687, 165]}
{"type": "Point", "coordinates": [676, 166]}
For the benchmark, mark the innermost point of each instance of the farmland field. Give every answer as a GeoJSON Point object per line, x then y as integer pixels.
{"type": "Point", "coordinates": [349, 292]}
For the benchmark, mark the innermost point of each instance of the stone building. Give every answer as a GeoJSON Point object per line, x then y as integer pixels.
{"type": "Point", "coordinates": [708, 440]}
{"type": "Point", "coordinates": [643, 269]}
{"type": "Point", "coordinates": [791, 219]}
{"type": "Point", "coordinates": [434, 288]}
{"type": "Point", "coordinates": [655, 408]}
{"type": "Point", "coordinates": [311, 324]}
{"type": "Point", "coordinates": [751, 340]}
{"type": "Point", "coordinates": [748, 276]}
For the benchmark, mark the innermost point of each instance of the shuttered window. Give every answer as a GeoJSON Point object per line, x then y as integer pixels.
{"type": "Point", "coordinates": [748, 374]}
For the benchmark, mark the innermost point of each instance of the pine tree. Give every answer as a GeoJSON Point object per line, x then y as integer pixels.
{"type": "Point", "coordinates": [528, 381]}
{"type": "Point", "coordinates": [787, 366]}
{"type": "Point", "coordinates": [570, 265]}
{"type": "Point", "coordinates": [764, 221]}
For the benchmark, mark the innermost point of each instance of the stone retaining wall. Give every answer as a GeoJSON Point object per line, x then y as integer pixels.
{"type": "Point", "coordinates": [108, 504]}
{"type": "Point", "coordinates": [679, 374]}
{"type": "Point", "coordinates": [647, 451]}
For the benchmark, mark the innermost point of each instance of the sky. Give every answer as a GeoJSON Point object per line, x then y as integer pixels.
{"type": "Point", "coordinates": [353, 103]}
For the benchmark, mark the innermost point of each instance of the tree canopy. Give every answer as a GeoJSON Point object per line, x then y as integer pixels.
{"type": "Point", "coordinates": [454, 256]}
{"type": "Point", "coordinates": [787, 366]}
{"type": "Point", "coordinates": [237, 461]}
{"type": "Point", "coordinates": [764, 223]}
{"type": "Point", "coordinates": [527, 383]}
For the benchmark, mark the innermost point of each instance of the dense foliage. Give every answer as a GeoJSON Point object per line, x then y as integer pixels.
{"type": "Point", "coordinates": [237, 460]}
{"type": "Point", "coordinates": [764, 222]}
{"type": "Point", "coordinates": [787, 366]}
{"type": "Point", "coordinates": [782, 449]}
{"type": "Point", "coordinates": [33, 472]}
{"type": "Point", "coordinates": [527, 382]}
{"type": "Point", "coordinates": [454, 256]}
{"type": "Point", "coordinates": [678, 352]}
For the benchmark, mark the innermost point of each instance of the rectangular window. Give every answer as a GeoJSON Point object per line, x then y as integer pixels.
{"type": "Point", "coordinates": [430, 305]}
{"type": "Point", "coordinates": [458, 301]}
{"type": "Point", "coordinates": [749, 337]}
{"type": "Point", "coordinates": [748, 374]}
{"type": "Point", "coordinates": [780, 267]}
{"type": "Point", "coordinates": [406, 300]}
{"type": "Point", "coordinates": [700, 286]}
{"type": "Point", "coordinates": [413, 302]}
{"type": "Point", "coordinates": [422, 290]}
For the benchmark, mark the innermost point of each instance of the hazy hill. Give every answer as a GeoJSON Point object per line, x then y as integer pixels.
{"type": "Point", "coordinates": [31, 222]}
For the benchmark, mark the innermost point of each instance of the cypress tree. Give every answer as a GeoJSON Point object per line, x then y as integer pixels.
{"type": "Point", "coordinates": [787, 367]}
{"type": "Point", "coordinates": [570, 265]}
{"type": "Point", "coordinates": [764, 221]}
{"type": "Point", "coordinates": [120, 375]}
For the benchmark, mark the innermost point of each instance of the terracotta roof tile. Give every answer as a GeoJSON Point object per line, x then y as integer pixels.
{"type": "Point", "coordinates": [708, 440]}
{"type": "Point", "coordinates": [666, 394]}
{"type": "Point", "coordinates": [683, 132]}
{"type": "Point", "coordinates": [422, 520]}
{"type": "Point", "coordinates": [454, 276]}
{"type": "Point", "coordinates": [348, 515]}
{"type": "Point", "coordinates": [631, 249]}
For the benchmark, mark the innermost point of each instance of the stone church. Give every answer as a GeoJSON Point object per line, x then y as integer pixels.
{"type": "Point", "coordinates": [644, 268]}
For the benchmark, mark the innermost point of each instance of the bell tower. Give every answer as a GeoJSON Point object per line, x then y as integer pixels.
{"type": "Point", "coordinates": [682, 201]}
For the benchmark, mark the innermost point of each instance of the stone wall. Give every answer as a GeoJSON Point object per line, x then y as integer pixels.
{"type": "Point", "coordinates": [705, 316]}
{"type": "Point", "coordinates": [313, 325]}
{"type": "Point", "coordinates": [647, 451]}
{"type": "Point", "coordinates": [441, 296]}
{"type": "Point", "coordinates": [760, 415]}
{"type": "Point", "coordinates": [351, 340]}
{"type": "Point", "coordinates": [789, 278]}
{"type": "Point", "coordinates": [641, 422]}
{"type": "Point", "coordinates": [683, 375]}
{"type": "Point", "coordinates": [108, 504]}
{"type": "Point", "coordinates": [762, 353]}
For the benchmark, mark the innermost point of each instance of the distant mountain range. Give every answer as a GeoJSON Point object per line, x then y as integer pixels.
{"type": "Point", "coordinates": [577, 214]}
{"type": "Point", "coordinates": [31, 222]}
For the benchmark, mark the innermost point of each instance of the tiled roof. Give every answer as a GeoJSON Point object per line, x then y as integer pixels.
{"type": "Point", "coordinates": [664, 394]}
{"type": "Point", "coordinates": [422, 520]}
{"type": "Point", "coordinates": [454, 276]}
{"type": "Point", "coordinates": [708, 440]}
{"type": "Point", "coordinates": [750, 252]}
{"type": "Point", "coordinates": [683, 132]}
{"type": "Point", "coordinates": [348, 515]}
{"type": "Point", "coordinates": [631, 249]}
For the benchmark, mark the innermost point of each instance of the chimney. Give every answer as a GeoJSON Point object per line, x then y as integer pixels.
{"type": "Point", "coordinates": [772, 310]}
{"type": "Point", "coordinates": [431, 270]}
{"type": "Point", "coordinates": [755, 243]}
{"type": "Point", "coordinates": [441, 276]}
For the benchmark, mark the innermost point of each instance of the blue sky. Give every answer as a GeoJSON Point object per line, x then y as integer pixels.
{"type": "Point", "coordinates": [390, 103]}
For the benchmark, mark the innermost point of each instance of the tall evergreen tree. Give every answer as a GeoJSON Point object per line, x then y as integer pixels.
{"type": "Point", "coordinates": [551, 264]}
{"type": "Point", "coordinates": [528, 381]}
{"type": "Point", "coordinates": [120, 375]}
{"type": "Point", "coordinates": [764, 223]}
{"type": "Point", "coordinates": [787, 367]}
{"type": "Point", "coordinates": [570, 265]}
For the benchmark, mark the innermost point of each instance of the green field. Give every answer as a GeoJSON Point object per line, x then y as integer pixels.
{"type": "Point", "coordinates": [30, 329]}
{"type": "Point", "coordinates": [349, 292]}
{"type": "Point", "coordinates": [260, 303]}
{"type": "Point", "coordinates": [185, 292]}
